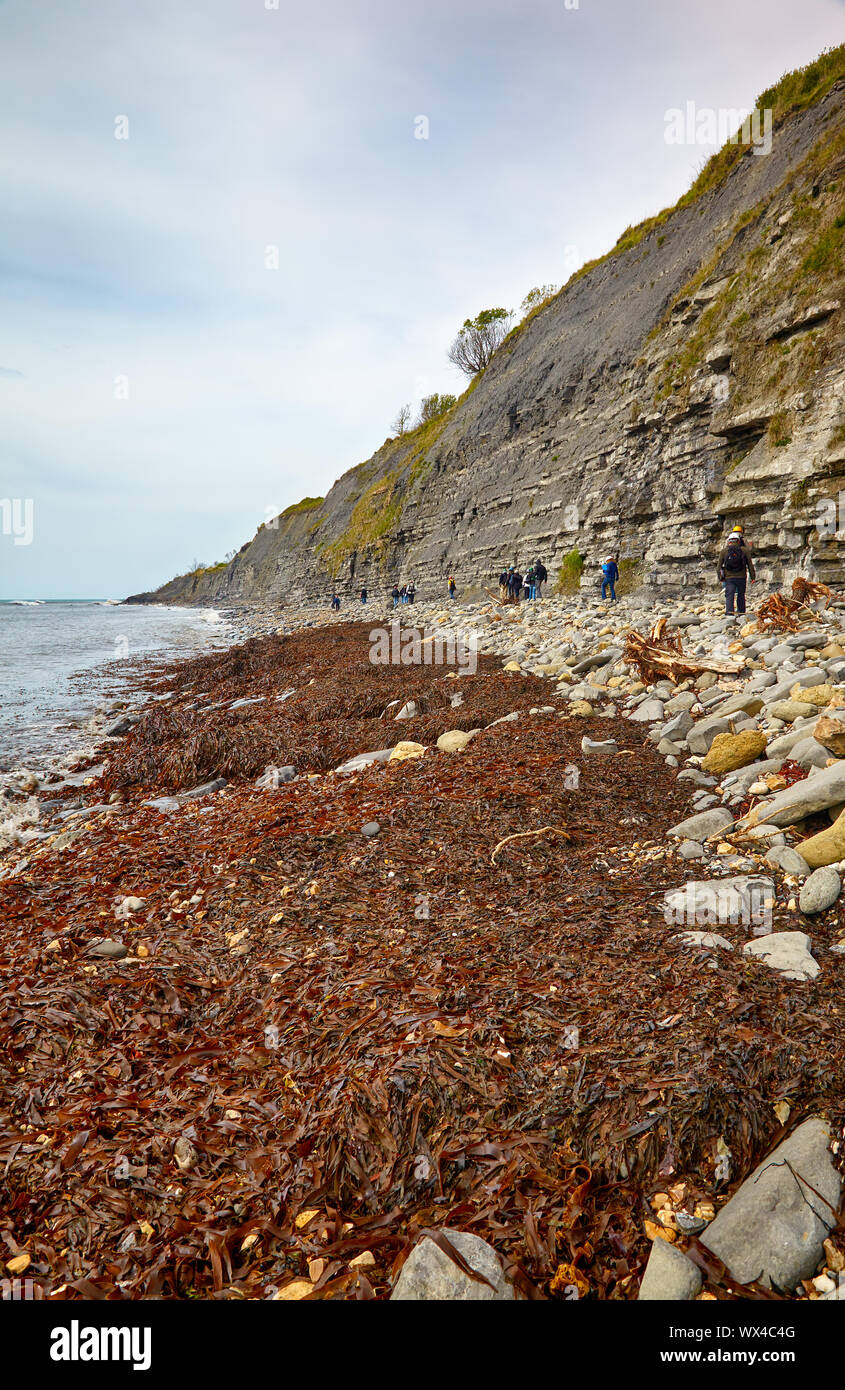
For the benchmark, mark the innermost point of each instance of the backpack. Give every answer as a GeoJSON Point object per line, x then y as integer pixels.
{"type": "Point", "coordinates": [735, 561]}
{"type": "Point", "coordinates": [608, 567]}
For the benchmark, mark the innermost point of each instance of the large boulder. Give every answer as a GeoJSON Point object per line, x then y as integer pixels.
{"type": "Point", "coordinates": [430, 1274]}
{"type": "Point", "coordinates": [729, 751]}
{"type": "Point", "coordinates": [774, 1226]}
{"type": "Point", "coordinates": [455, 740]}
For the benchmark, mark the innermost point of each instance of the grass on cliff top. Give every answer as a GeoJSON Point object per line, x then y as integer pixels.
{"type": "Point", "coordinates": [795, 91]}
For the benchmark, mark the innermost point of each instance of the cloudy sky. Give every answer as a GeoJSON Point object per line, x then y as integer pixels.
{"type": "Point", "coordinates": [163, 388]}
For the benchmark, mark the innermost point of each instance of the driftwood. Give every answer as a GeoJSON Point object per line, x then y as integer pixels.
{"type": "Point", "coordinates": [781, 613]}
{"type": "Point", "coordinates": [661, 654]}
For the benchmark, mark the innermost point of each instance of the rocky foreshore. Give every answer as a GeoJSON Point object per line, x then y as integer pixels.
{"type": "Point", "coordinates": [442, 946]}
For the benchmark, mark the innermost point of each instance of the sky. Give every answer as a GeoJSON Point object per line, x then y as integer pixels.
{"type": "Point", "coordinates": [237, 235]}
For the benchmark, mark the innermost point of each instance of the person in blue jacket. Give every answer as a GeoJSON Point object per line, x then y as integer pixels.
{"type": "Point", "coordinates": [609, 576]}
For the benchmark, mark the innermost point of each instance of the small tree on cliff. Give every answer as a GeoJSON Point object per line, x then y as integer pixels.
{"type": "Point", "coordinates": [432, 407]}
{"type": "Point", "coordinates": [403, 419]}
{"type": "Point", "coordinates": [478, 340]}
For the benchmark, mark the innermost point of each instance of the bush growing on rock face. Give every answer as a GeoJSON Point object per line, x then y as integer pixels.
{"type": "Point", "coordinates": [434, 406]}
{"type": "Point", "coordinates": [478, 339]}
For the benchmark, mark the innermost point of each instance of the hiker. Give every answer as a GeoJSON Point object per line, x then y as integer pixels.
{"type": "Point", "coordinates": [452, 586]}
{"type": "Point", "coordinates": [335, 603]}
{"type": "Point", "coordinates": [403, 594]}
{"type": "Point", "coordinates": [531, 583]}
{"type": "Point", "coordinates": [503, 585]}
{"type": "Point", "coordinates": [515, 585]}
{"type": "Point", "coordinates": [363, 596]}
{"type": "Point", "coordinates": [412, 589]}
{"type": "Point", "coordinates": [541, 574]}
{"type": "Point", "coordinates": [609, 576]}
{"type": "Point", "coordinates": [735, 564]}
{"type": "Point", "coordinates": [395, 595]}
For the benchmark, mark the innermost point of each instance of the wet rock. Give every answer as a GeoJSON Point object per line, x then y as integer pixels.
{"type": "Point", "coordinates": [670, 1276]}
{"type": "Point", "coordinates": [774, 1226]}
{"type": "Point", "coordinates": [205, 790]}
{"type": "Point", "coordinates": [429, 1274]}
{"type": "Point", "coordinates": [820, 891]}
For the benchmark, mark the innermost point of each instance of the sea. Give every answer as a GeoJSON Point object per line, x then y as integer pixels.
{"type": "Point", "coordinates": [62, 660]}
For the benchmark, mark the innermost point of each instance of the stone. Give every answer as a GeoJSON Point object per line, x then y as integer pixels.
{"type": "Point", "coordinates": [454, 740]}
{"type": "Point", "coordinates": [817, 695]}
{"type": "Point", "coordinates": [429, 1274]}
{"type": "Point", "coordinates": [746, 702]}
{"type": "Point", "coordinates": [370, 829]}
{"type": "Point", "coordinates": [679, 727]}
{"type": "Point", "coordinates": [789, 710]}
{"type": "Point", "coordinates": [820, 891]}
{"type": "Point", "coordinates": [648, 710]}
{"type": "Point", "coordinates": [122, 726]}
{"type": "Point", "coordinates": [590, 745]}
{"type": "Point", "coordinates": [808, 754]}
{"type": "Point", "coordinates": [581, 709]}
{"type": "Point", "coordinates": [729, 751]}
{"type": "Point", "coordinates": [512, 666]}
{"type": "Point", "coordinates": [704, 941]}
{"type": "Point", "coordinates": [408, 710]}
{"type": "Point", "coordinates": [362, 760]}
{"type": "Point", "coordinates": [504, 719]}
{"type": "Point", "coordinates": [205, 790]}
{"type": "Point", "coordinates": [164, 804]}
{"type": "Point", "coordinates": [830, 732]}
{"type": "Point", "coordinates": [826, 847]}
{"type": "Point", "coordinates": [789, 860]}
{"type": "Point", "coordinates": [274, 777]}
{"type": "Point", "coordinates": [670, 1276]}
{"type": "Point", "coordinates": [801, 800]}
{"type": "Point", "coordinates": [704, 732]}
{"type": "Point", "coordinates": [690, 849]}
{"type": "Point", "coordinates": [743, 899]}
{"type": "Point", "coordinates": [405, 750]}
{"type": "Point", "coordinates": [109, 950]}
{"type": "Point", "coordinates": [788, 952]}
{"type": "Point", "coordinates": [700, 826]}
{"type": "Point", "coordinates": [774, 1226]}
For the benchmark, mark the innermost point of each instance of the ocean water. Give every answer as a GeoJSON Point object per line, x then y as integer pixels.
{"type": "Point", "coordinates": [59, 661]}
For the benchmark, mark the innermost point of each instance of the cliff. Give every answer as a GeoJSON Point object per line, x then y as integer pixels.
{"type": "Point", "coordinates": [692, 378]}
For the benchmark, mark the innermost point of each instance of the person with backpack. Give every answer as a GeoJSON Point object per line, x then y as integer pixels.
{"type": "Point", "coordinates": [734, 568]}
{"type": "Point", "coordinates": [531, 583]}
{"type": "Point", "coordinates": [395, 595]}
{"type": "Point", "coordinates": [335, 603]}
{"type": "Point", "coordinates": [541, 574]}
{"type": "Point", "coordinates": [503, 585]}
{"type": "Point", "coordinates": [411, 591]}
{"type": "Point", "coordinates": [609, 576]}
{"type": "Point", "coordinates": [363, 596]}
{"type": "Point", "coordinates": [515, 585]}
{"type": "Point", "coordinates": [452, 586]}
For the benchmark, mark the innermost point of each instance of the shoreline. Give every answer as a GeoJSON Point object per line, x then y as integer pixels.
{"type": "Point", "coordinates": [448, 916]}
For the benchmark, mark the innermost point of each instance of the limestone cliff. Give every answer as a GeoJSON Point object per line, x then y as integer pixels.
{"type": "Point", "coordinates": [693, 378]}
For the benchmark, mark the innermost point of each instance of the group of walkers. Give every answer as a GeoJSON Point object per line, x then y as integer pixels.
{"type": "Point", "coordinates": [513, 585]}
{"type": "Point", "coordinates": [735, 567]}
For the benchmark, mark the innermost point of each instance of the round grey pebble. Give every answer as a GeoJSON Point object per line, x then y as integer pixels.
{"type": "Point", "coordinates": [371, 828]}
{"type": "Point", "coordinates": [820, 891]}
